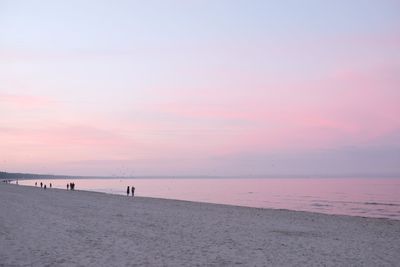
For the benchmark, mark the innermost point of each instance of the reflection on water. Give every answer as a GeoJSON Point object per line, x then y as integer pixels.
{"type": "Point", "coordinates": [363, 197]}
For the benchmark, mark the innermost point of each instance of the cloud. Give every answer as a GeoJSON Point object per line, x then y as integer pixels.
{"type": "Point", "coordinates": [25, 101]}
{"type": "Point", "coordinates": [354, 161]}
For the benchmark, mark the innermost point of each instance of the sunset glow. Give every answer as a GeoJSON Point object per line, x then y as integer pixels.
{"type": "Point", "coordinates": [200, 88]}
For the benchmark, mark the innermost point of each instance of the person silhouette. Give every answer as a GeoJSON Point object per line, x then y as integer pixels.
{"type": "Point", "coordinates": [44, 187]}
{"type": "Point", "coordinates": [50, 185]}
{"type": "Point", "coordinates": [133, 190]}
{"type": "Point", "coordinates": [41, 184]}
{"type": "Point", "coordinates": [67, 186]}
{"type": "Point", "coordinates": [127, 191]}
{"type": "Point", "coordinates": [35, 183]}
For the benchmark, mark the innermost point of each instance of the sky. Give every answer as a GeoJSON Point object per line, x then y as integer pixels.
{"type": "Point", "coordinates": [200, 88]}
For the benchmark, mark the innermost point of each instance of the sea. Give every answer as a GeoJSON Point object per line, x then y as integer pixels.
{"type": "Point", "coordinates": [357, 197]}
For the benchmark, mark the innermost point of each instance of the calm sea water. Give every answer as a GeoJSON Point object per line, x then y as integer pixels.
{"type": "Point", "coordinates": [361, 197]}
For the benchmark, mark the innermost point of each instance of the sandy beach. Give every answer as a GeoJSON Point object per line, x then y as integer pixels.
{"type": "Point", "coordinates": [56, 227]}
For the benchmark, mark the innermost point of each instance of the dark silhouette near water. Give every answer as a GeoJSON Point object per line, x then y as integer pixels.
{"type": "Point", "coordinates": [41, 184]}
{"type": "Point", "coordinates": [51, 185]}
{"type": "Point", "coordinates": [44, 187]}
{"type": "Point", "coordinates": [127, 191]}
{"type": "Point", "coordinates": [35, 183]}
{"type": "Point", "coordinates": [133, 190]}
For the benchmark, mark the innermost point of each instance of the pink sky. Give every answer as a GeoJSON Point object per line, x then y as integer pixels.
{"type": "Point", "coordinates": [302, 96]}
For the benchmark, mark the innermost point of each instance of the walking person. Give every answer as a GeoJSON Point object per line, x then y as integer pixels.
{"type": "Point", "coordinates": [41, 184]}
{"type": "Point", "coordinates": [133, 190]}
{"type": "Point", "coordinates": [67, 186]}
{"type": "Point", "coordinates": [127, 191]}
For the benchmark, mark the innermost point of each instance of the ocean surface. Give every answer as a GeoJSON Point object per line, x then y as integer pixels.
{"type": "Point", "coordinates": [359, 197]}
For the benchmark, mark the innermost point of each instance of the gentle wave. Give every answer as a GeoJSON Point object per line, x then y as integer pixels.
{"type": "Point", "coordinates": [381, 204]}
{"type": "Point", "coordinates": [359, 203]}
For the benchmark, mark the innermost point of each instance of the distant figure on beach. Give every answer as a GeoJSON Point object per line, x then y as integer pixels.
{"type": "Point", "coordinates": [35, 183]}
{"type": "Point", "coordinates": [127, 191]}
{"type": "Point", "coordinates": [50, 185]}
{"type": "Point", "coordinates": [41, 184]}
{"type": "Point", "coordinates": [67, 186]}
{"type": "Point", "coordinates": [72, 186]}
{"type": "Point", "coordinates": [44, 187]}
{"type": "Point", "coordinates": [133, 190]}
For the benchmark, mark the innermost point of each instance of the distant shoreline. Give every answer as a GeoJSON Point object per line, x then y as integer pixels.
{"type": "Point", "coordinates": [31, 176]}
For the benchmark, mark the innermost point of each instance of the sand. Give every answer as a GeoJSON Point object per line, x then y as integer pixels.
{"type": "Point", "coordinates": [56, 227]}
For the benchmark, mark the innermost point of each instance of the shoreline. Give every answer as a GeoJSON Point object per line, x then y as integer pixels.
{"type": "Point", "coordinates": [71, 228]}
{"type": "Point", "coordinates": [391, 216]}
{"type": "Point", "coordinates": [228, 205]}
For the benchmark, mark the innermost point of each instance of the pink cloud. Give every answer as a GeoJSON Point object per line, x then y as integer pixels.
{"type": "Point", "coordinates": [25, 101]}
{"type": "Point", "coordinates": [351, 107]}
{"type": "Point", "coordinates": [67, 136]}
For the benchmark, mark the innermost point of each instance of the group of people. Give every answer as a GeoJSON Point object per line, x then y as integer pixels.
{"type": "Point", "coordinates": [44, 186]}
{"type": "Point", "coordinates": [132, 190]}
{"type": "Point", "coordinates": [71, 186]}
